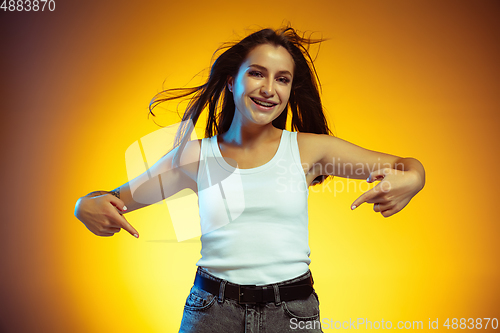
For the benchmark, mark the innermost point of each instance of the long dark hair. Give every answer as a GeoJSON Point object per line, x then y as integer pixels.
{"type": "Point", "coordinates": [304, 103]}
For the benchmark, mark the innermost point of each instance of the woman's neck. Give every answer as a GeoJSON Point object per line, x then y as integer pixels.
{"type": "Point", "coordinates": [249, 135]}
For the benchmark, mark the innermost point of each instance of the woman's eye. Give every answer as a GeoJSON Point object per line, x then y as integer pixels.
{"type": "Point", "coordinates": [255, 73]}
{"type": "Point", "coordinates": [284, 80]}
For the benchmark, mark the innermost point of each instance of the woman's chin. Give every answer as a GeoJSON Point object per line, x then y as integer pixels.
{"type": "Point", "coordinates": [258, 117]}
{"type": "Point", "coordinates": [264, 118]}
{"type": "Point", "coordinates": [263, 121]}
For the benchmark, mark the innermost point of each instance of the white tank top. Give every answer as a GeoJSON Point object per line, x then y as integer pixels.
{"type": "Point", "coordinates": [254, 221]}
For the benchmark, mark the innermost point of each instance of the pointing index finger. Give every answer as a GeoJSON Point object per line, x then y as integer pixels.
{"type": "Point", "coordinates": [360, 200]}
{"type": "Point", "coordinates": [365, 197]}
{"type": "Point", "coordinates": [374, 195]}
{"type": "Point", "coordinates": [128, 227]}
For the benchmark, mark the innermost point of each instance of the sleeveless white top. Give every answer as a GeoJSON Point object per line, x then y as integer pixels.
{"type": "Point", "coordinates": [254, 221]}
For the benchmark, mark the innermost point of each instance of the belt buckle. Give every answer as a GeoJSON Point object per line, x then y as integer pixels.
{"type": "Point", "coordinates": [241, 295]}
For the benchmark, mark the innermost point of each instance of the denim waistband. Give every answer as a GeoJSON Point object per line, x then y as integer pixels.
{"type": "Point", "coordinates": [307, 275]}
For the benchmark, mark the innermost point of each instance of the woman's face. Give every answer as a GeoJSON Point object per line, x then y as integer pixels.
{"type": "Point", "coordinates": [262, 86]}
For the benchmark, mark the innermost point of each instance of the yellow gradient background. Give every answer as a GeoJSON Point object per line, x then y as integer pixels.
{"type": "Point", "coordinates": [411, 78]}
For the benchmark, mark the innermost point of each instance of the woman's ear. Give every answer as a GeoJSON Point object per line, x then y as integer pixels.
{"type": "Point", "coordinates": [230, 82]}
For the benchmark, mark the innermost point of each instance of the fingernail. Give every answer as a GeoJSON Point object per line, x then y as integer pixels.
{"type": "Point", "coordinates": [368, 179]}
{"type": "Point", "coordinates": [136, 235]}
{"type": "Point", "coordinates": [124, 207]}
{"type": "Point", "coordinates": [353, 207]}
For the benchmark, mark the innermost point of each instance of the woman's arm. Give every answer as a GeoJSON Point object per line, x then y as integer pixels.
{"type": "Point", "coordinates": [123, 193]}
{"type": "Point", "coordinates": [401, 178]}
{"type": "Point", "coordinates": [102, 211]}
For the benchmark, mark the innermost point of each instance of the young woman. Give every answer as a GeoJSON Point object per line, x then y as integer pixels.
{"type": "Point", "coordinates": [253, 274]}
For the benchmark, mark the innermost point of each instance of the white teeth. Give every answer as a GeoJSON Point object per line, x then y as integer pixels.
{"type": "Point", "coordinates": [262, 103]}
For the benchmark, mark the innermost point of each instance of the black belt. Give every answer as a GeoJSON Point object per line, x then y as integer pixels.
{"type": "Point", "coordinates": [251, 294]}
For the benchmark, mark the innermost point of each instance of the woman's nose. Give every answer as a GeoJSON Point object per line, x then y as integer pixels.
{"type": "Point", "coordinates": [267, 88]}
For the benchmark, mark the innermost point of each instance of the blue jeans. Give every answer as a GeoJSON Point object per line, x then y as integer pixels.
{"type": "Point", "coordinates": [205, 313]}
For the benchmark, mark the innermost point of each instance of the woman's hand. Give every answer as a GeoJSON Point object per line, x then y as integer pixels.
{"type": "Point", "coordinates": [393, 193]}
{"type": "Point", "coordinates": [102, 215]}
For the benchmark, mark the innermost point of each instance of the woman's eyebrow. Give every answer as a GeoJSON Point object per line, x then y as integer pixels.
{"type": "Point", "coordinates": [262, 68]}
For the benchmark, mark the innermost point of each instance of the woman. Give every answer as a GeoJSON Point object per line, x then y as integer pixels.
{"type": "Point", "coordinates": [254, 273]}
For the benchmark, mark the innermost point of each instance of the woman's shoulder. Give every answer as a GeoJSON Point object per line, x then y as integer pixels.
{"type": "Point", "coordinates": [312, 146]}
{"type": "Point", "coordinates": [190, 152]}
{"type": "Point", "coordinates": [314, 139]}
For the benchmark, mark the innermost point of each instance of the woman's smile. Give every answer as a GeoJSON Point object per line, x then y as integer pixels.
{"type": "Point", "coordinates": [263, 104]}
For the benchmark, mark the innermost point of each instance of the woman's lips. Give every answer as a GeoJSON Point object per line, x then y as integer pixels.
{"type": "Point", "coordinates": [263, 104]}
